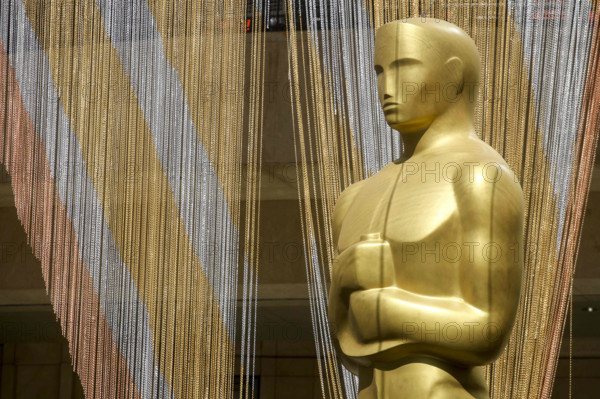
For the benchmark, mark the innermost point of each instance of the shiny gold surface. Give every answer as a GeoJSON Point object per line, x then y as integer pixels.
{"type": "Point", "coordinates": [426, 281]}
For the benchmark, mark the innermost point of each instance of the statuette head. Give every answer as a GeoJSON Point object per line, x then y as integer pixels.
{"type": "Point", "coordinates": [425, 67]}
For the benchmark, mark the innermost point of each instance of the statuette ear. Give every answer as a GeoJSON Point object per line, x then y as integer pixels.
{"type": "Point", "coordinates": [456, 70]}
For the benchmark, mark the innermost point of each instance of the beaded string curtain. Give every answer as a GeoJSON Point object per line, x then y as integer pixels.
{"type": "Point", "coordinates": [538, 107]}
{"type": "Point", "coordinates": [123, 129]}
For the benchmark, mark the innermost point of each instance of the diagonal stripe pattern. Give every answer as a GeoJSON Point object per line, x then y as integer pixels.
{"type": "Point", "coordinates": [136, 183]}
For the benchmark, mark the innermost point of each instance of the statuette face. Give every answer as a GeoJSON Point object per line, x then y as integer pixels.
{"type": "Point", "coordinates": [426, 280]}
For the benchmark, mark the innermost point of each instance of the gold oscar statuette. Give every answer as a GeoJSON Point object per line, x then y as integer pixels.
{"type": "Point", "coordinates": [427, 274]}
